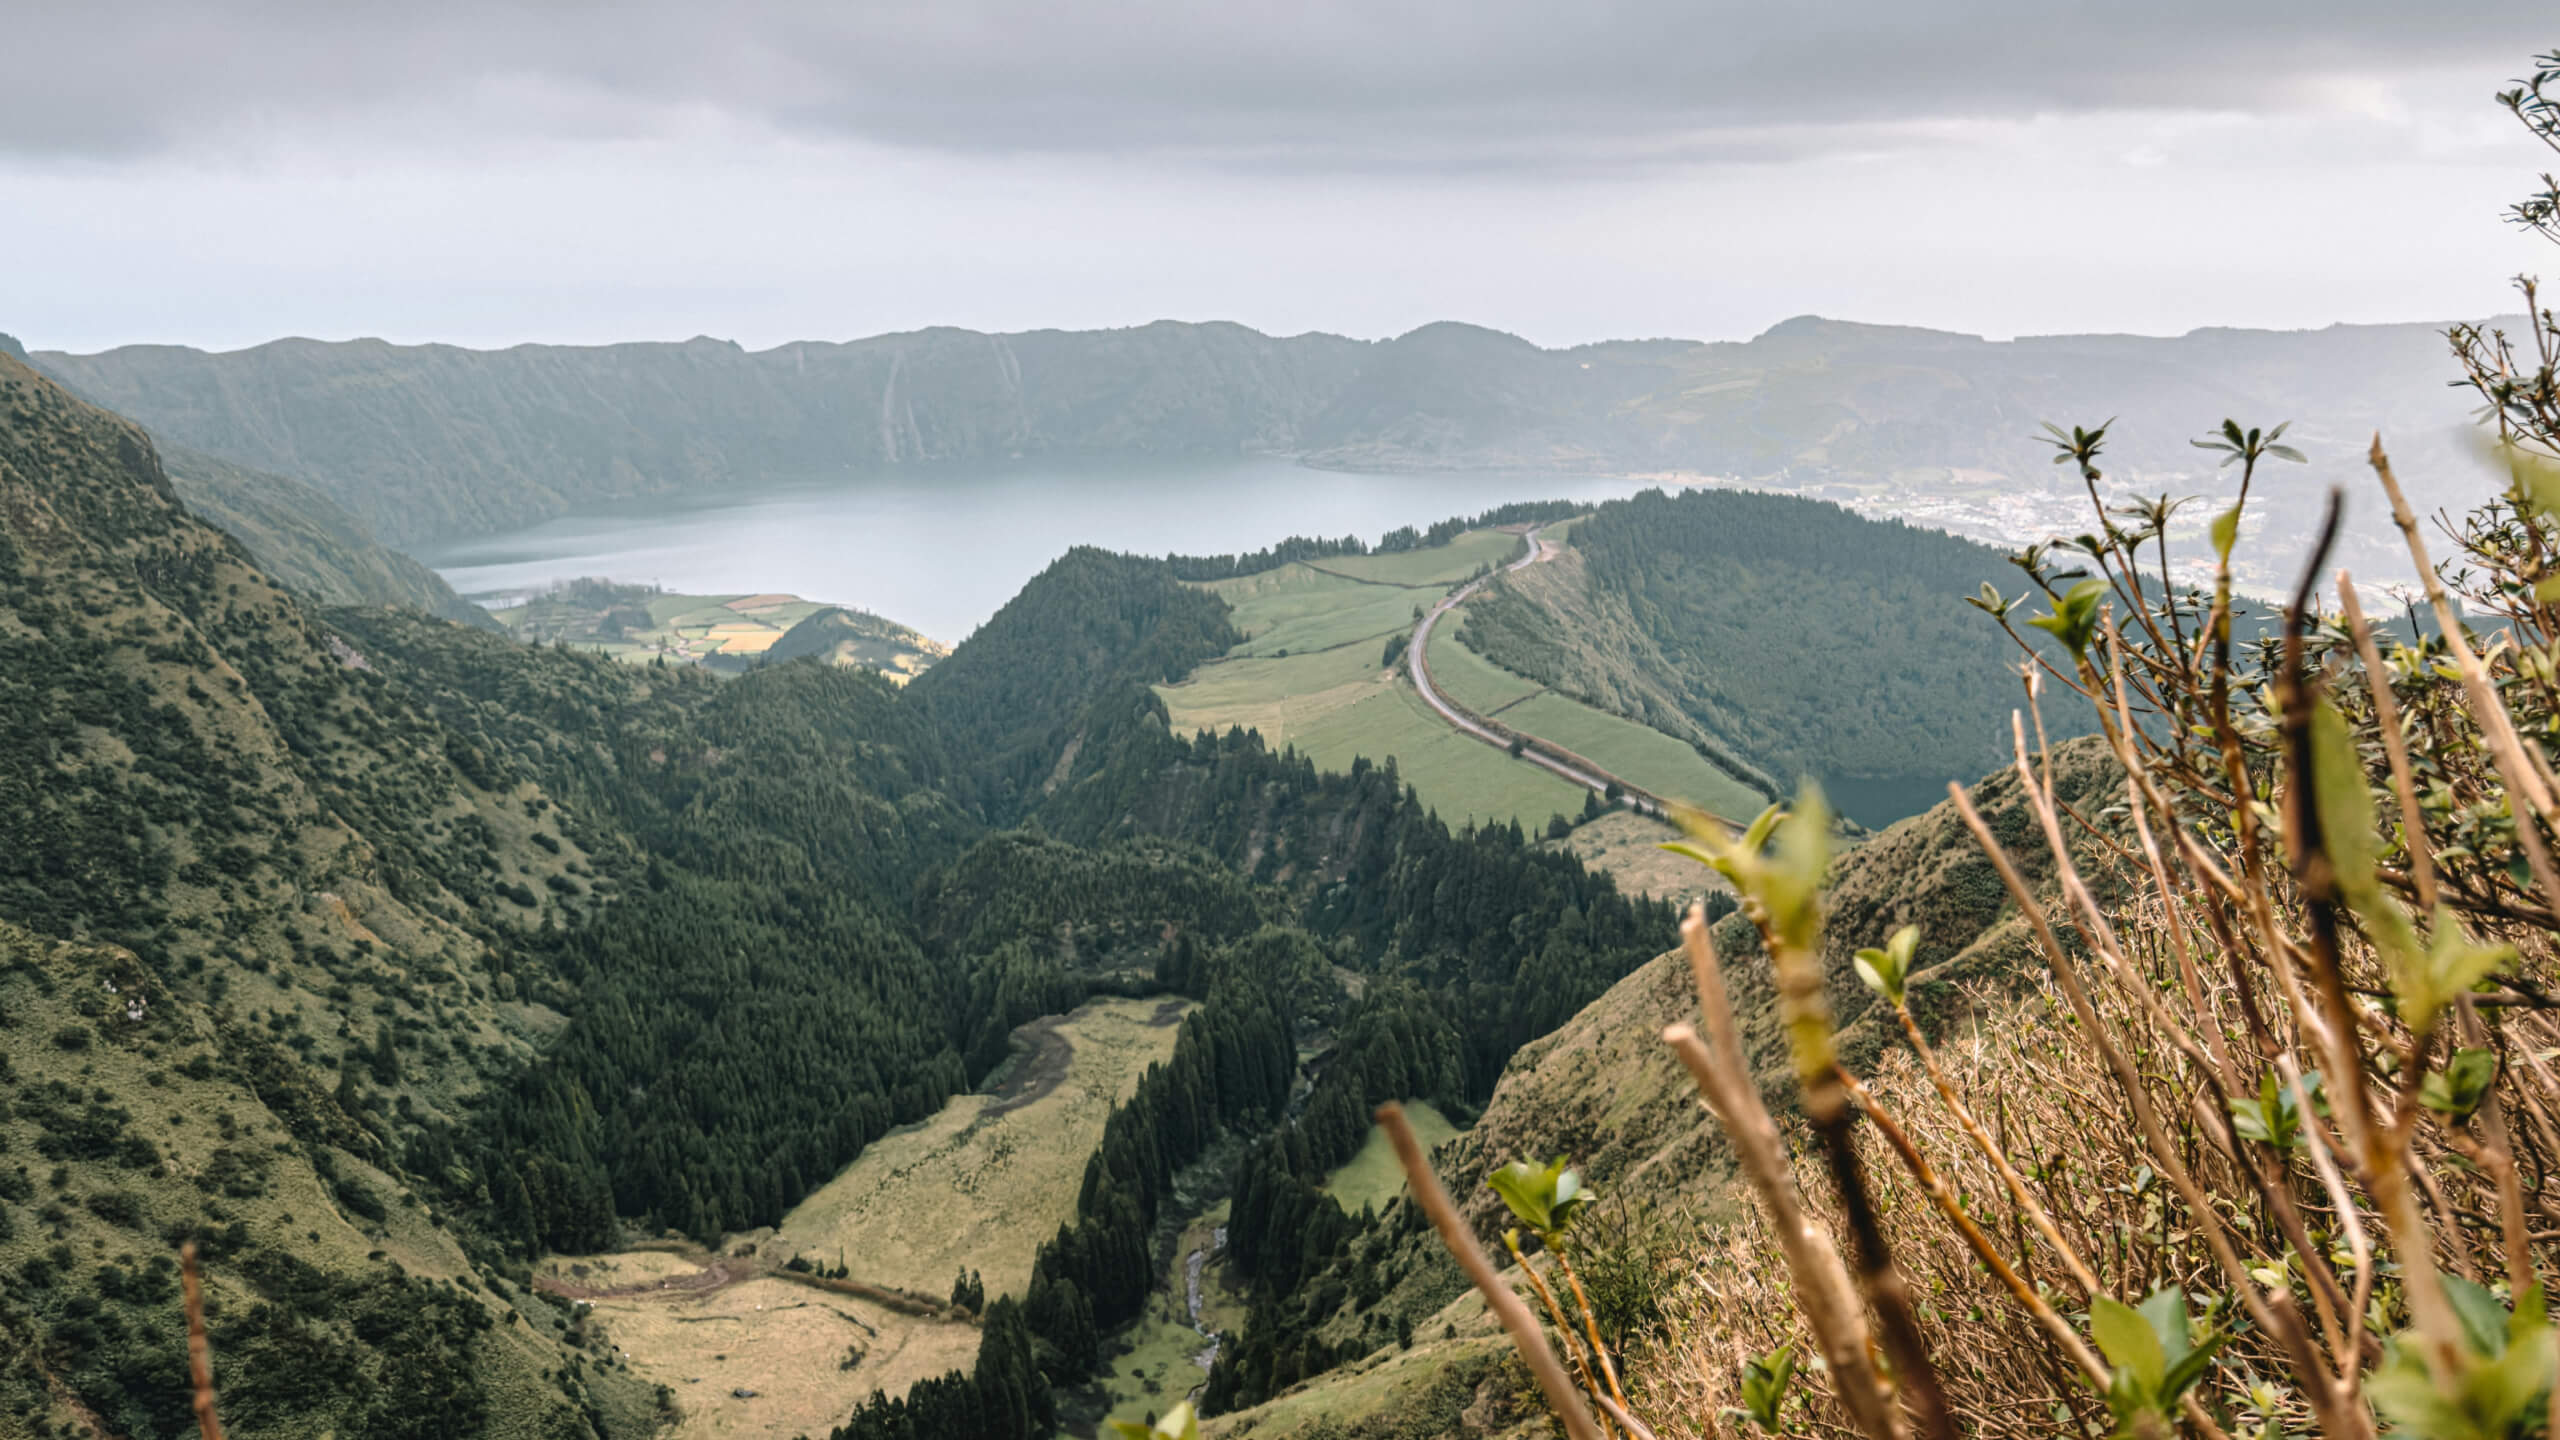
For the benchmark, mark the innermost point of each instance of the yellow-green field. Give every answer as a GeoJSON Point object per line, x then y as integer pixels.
{"type": "Point", "coordinates": [1637, 753]}
{"type": "Point", "coordinates": [978, 1186]}
{"type": "Point", "coordinates": [1441, 566]}
{"type": "Point", "coordinates": [1298, 609]}
{"type": "Point", "coordinates": [1309, 675]}
{"type": "Point", "coordinates": [1372, 1178]}
{"type": "Point", "coordinates": [787, 1343]}
{"type": "Point", "coordinates": [989, 1177]}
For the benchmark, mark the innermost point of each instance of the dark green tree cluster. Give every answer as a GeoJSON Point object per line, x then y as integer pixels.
{"type": "Point", "coordinates": [1395, 1045]}
{"type": "Point", "coordinates": [1519, 512]}
{"type": "Point", "coordinates": [1232, 1068]}
{"type": "Point", "coordinates": [1007, 703]}
{"type": "Point", "coordinates": [1510, 939]}
{"type": "Point", "coordinates": [1272, 557]}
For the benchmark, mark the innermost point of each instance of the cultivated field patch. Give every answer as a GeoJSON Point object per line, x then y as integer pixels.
{"type": "Point", "coordinates": [1639, 754]}
{"type": "Point", "coordinates": [990, 1176]}
{"type": "Point", "coordinates": [1442, 565]}
{"type": "Point", "coordinates": [1460, 776]}
{"type": "Point", "coordinates": [1467, 677]}
{"type": "Point", "coordinates": [804, 1358]}
{"type": "Point", "coordinates": [1373, 1177]}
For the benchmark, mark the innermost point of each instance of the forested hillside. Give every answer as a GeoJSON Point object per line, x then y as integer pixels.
{"type": "Point", "coordinates": [475, 949]}
{"type": "Point", "coordinates": [308, 541]}
{"type": "Point", "coordinates": [267, 918]}
{"type": "Point", "coordinates": [1787, 637]}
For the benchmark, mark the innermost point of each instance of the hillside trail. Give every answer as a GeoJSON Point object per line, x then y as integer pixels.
{"type": "Point", "coordinates": [1545, 754]}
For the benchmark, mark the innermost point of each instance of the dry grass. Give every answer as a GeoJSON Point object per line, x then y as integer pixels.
{"type": "Point", "coordinates": [975, 1189]}
{"type": "Point", "coordinates": [1628, 848]}
{"type": "Point", "coordinates": [780, 1340]}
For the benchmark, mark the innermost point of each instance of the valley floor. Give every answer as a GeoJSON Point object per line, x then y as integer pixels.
{"type": "Point", "coordinates": [976, 1187]}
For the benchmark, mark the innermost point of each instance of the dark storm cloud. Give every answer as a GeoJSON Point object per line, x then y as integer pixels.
{"type": "Point", "coordinates": [1330, 82]}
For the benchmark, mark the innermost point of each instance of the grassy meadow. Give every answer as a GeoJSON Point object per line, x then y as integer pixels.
{"type": "Point", "coordinates": [786, 1342]}
{"type": "Point", "coordinates": [977, 1186]}
{"type": "Point", "coordinates": [1371, 1178]}
{"type": "Point", "coordinates": [990, 1176]}
{"type": "Point", "coordinates": [1309, 674]}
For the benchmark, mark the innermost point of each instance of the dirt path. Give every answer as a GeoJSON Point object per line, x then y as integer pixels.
{"type": "Point", "coordinates": [717, 1273]}
{"type": "Point", "coordinates": [1545, 754]}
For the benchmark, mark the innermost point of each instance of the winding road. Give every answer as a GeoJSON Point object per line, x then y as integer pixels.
{"type": "Point", "coordinates": [1544, 754]}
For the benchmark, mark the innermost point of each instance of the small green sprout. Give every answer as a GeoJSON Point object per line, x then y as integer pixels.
{"type": "Point", "coordinates": [1888, 970]}
{"type": "Point", "coordinates": [1764, 1388]}
{"type": "Point", "coordinates": [1545, 1198]}
{"type": "Point", "coordinates": [2274, 1119]}
{"type": "Point", "coordinates": [2074, 620]}
{"type": "Point", "coordinates": [2502, 1382]}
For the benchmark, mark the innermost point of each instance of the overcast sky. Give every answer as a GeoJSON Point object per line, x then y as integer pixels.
{"type": "Point", "coordinates": [219, 172]}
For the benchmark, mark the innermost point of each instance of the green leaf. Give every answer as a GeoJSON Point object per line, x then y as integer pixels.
{"type": "Point", "coordinates": [2347, 824]}
{"type": "Point", "coordinates": [2459, 1087]}
{"type": "Point", "coordinates": [1888, 970]}
{"type": "Point", "coordinates": [2484, 1320]}
{"type": "Point", "coordinates": [2226, 531]}
{"type": "Point", "coordinates": [2450, 966]}
{"type": "Point", "coordinates": [2128, 1342]}
{"type": "Point", "coordinates": [1544, 1197]}
{"type": "Point", "coordinates": [1790, 882]}
{"type": "Point", "coordinates": [2165, 1311]}
{"type": "Point", "coordinates": [1764, 1386]}
{"type": "Point", "coordinates": [2074, 620]}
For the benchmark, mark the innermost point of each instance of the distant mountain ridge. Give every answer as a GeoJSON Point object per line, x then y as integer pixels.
{"type": "Point", "coordinates": [432, 441]}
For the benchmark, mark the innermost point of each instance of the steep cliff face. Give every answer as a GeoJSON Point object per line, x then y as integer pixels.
{"type": "Point", "coordinates": [432, 441]}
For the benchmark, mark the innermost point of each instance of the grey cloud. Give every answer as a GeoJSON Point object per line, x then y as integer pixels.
{"type": "Point", "coordinates": [1369, 83]}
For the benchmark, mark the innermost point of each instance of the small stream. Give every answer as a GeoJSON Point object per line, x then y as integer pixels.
{"type": "Point", "coordinates": [1192, 1265]}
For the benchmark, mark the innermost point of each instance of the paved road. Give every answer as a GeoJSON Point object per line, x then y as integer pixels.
{"type": "Point", "coordinates": [1590, 777]}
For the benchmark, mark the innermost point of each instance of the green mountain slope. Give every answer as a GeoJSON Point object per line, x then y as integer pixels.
{"type": "Point", "coordinates": [287, 956]}
{"type": "Point", "coordinates": [1382, 1338]}
{"type": "Point", "coordinates": [304, 539]}
{"type": "Point", "coordinates": [1786, 637]}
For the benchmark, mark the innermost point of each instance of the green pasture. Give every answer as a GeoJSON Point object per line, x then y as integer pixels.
{"type": "Point", "coordinates": [1372, 1177]}
{"type": "Point", "coordinates": [1469, 678]}
{"type": "Point", "coordinates": [1442, 565]}
{"type": "Point", "coordinates": [1641, 754]}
